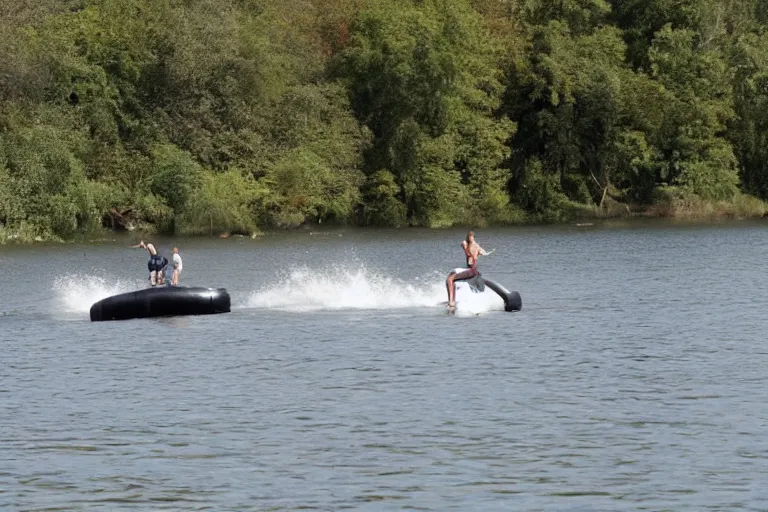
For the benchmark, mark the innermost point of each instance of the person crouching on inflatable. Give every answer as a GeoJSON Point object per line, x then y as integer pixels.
{"type": "Point", "coordinates": [471, 251]}
{"type": "Point", "coordinates": [156, 263]}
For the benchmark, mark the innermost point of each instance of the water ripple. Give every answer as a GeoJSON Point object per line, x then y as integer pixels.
{"type": "Point", "coordinates": [622, 385]}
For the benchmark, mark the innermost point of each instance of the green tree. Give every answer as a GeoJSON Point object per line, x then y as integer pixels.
{"type": "Point", "coordinates": [696, 154]}
{"type": "Point", "coordinates": [423, 78]}
{"type": "Point", "coordinates": [582, 113]}
{"type": "Point", "coordinates": [580, 16]}
{"type": "Point", "coordinates": [44, 179]}
{"type": "Point", "coordinates": [222, 204]}
{"type": "Point", "coordinates": [381, 207]}
{"type": "Point", "coordinates": [174, 175]}
{"type": "Point", "coordinates": [748, 131]}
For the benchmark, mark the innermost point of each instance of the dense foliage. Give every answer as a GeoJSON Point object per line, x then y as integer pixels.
{"type": "Point", "coordinates": [211, 116]}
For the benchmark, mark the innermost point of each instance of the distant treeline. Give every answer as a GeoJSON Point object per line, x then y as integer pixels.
{"type": "Point", "coordinates": [210, 116]}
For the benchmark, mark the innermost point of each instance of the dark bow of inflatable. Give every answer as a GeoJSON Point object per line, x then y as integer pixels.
{"type": "Point", "coordinates": [154, 302]}
{"type": "Point", "coordinates": [512, 300]}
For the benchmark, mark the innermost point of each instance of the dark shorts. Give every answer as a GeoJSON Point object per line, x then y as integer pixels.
{"type": "Point", "coordinates": [156, 263]}
{"type": "Point", "coordinates": [466, 274]}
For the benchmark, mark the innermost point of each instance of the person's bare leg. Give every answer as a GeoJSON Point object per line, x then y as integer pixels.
{"type": "Point", "coordinates": [153, 278]}
{"type": "Point", "coordinates": [451, 290]}
{"type": "Point", "coordinates": [451, 282]}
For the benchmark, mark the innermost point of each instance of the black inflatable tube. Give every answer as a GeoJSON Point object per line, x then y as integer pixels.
{"type": "Point", "coordinates": [160, 301]}
{"type": "Point", "coordinates": [512, 300]}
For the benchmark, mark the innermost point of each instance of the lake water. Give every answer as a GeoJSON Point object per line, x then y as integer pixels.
{"type": "Point", "coordinates": [634, 378]}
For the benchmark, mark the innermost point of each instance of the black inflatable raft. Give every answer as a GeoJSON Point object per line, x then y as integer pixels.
{"type": "Point", "coordinates": [512, 300]}
{"type": "Point", "coordinates": [161, 301]}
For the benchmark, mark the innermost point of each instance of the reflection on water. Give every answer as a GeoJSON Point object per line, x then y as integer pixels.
{"type": "Point", "coordinates": [633, 378]}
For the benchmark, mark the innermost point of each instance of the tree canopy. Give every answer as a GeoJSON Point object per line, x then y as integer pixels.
{"type": "Point", "coordinates": [204, 116]}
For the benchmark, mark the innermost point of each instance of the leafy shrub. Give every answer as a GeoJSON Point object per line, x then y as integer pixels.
{"type": "Point", "coordinates": [222, 204]}
{"type": "Point", "coordinates": [381, 207]}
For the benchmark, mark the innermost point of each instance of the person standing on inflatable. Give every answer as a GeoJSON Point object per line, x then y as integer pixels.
{"type": "Point", "coordinates": [165, 276]}
{"type": "Point", "coordinates": [177, 266]}
{"type": "Point", "coordinates": [471, 251]}
{"type": "Point", "coordinates": [155, 264]}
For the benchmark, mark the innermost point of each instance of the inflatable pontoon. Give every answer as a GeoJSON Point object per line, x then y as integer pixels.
{"type": "Point", "coordinates": [479, 292]}
{"type": "Point", "coordinates": [162, 301]}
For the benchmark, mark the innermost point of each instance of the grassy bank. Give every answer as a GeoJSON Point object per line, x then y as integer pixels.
{"type": "Point", "coordinates": [671, 202]}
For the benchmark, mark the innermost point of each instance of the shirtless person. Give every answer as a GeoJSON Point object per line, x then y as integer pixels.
{"type": "Point", "coordinates": [471, 250]}
{"type": "Point", "coordinates": [155, 264]}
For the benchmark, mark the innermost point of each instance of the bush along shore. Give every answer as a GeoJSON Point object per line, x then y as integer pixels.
{"type": "Point", "coordinates": [236, 116]}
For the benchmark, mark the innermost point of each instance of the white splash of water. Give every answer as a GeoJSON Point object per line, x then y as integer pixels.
{"type": "Point", "coordinates": [469, 303]}
{"type": "Point", "coordinates": [306, 289]}
{"type": "Point", "coordinates": [76, 293]}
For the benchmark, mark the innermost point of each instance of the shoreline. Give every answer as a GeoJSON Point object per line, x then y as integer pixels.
{"type": "Point", "coordinates": [656, 214]}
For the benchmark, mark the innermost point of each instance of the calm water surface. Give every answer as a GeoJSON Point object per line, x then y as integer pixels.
{"type": "Point", "coordinates": [634, 378]}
